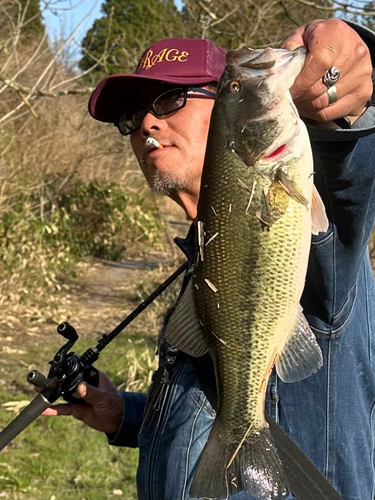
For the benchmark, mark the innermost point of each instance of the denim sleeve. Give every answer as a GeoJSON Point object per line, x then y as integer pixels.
{"type": "Point", "coordinates": [344, 164]}
{"type": "Point", "coordinates": [127, 435]}
{"type": "Point", "coordinates": [345, 178]}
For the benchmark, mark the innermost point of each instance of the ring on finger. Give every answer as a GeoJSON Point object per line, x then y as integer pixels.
{"type": "Point", "coordinates": [332, 94]}
{"type": "Point", "coordinates": [330, 79]}
{"type": "Point", "coordinates": [331, 76]}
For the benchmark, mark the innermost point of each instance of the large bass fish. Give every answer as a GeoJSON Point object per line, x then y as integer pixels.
{"type": "Point", "coordinates": [256, 212]}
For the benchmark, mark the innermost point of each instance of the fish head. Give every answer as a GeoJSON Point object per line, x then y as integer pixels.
{"type": "Point", "coordinates": [254, 101]}
{"type": "Point", "coordinates": [279, 66]}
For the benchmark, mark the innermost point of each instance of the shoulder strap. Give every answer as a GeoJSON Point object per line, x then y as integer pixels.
{"type": "Point", "coordinates": [305, 479]}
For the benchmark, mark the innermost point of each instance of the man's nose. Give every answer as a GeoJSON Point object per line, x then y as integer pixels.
{"type": "Point", "coordinates": [152, 122]}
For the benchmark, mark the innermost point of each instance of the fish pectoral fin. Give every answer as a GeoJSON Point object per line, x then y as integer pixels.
{"type": "Point", "coordinates": [319, 220]}
{"type": "Point", "coordinates": [184, 330]}
{"type": "Point", "coordinates": [225, 468]}
{"type": "Point", "coordinates": [301, 356]}
{"type": "Point", "coordinates": [290, 187]}
{"type": "Point", "coordinates": [275, 203]}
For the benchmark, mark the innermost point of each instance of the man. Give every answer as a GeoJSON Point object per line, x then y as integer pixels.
{"type": "Point", "coordinates": [330, 414]}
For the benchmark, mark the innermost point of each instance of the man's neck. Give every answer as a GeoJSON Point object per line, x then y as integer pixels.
{"type": "Point", "coordinates": [189, 203]}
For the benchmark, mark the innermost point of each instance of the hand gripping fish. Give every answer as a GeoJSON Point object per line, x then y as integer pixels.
{"type": "Point", "coordinates": [257, 209]}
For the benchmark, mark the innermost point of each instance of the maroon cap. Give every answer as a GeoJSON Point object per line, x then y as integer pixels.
{"type": "Point", "coordinates": [183, 61]}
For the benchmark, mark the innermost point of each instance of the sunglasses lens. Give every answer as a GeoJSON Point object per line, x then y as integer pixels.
{"type": "Point", "coordinates": [170, 101]}
{"type": "Point", "coordinates": [166, 103]}
{"type": "Point", "coordinates": [130, 121]}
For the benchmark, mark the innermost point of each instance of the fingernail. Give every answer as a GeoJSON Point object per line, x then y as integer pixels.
{"type": "Point", "coordinates": [82, 389]}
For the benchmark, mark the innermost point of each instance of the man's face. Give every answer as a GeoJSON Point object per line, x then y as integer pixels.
{"type": "Point", "coordinates": [176, 169]}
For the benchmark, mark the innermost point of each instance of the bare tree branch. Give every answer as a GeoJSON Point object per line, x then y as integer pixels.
{"type": "Point", "coordinates": [28, 62]}
{"type": "Point", "coordinates": [32, 93]}
{"type": "Point", "coordinates": [19, 62]}
{"type": "Point", "coordinates": [340, 7]}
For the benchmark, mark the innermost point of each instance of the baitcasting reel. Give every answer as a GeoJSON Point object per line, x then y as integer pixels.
{"type": "Point", "coordinates": [68, 369]}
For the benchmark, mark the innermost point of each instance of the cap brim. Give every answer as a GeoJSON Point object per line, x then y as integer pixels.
{"type": "Point", "coordinates": [118, 93]}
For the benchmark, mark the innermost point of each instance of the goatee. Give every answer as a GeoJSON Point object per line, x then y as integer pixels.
{"type": "Point", "coordinates": [167, 183]}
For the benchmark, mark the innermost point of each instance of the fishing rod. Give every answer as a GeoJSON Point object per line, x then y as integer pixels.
{"type": "Point", "coordinates": [68, 369]}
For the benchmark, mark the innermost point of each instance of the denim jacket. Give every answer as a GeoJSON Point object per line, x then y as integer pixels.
{"type": "Point", "coordinates": [330, 415]}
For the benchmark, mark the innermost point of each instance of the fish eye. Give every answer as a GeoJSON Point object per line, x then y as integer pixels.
{"type": "Point", "coordinates": [234, 87]}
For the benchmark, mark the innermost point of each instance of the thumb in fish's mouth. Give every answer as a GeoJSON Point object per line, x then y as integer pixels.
{"type": "Point", "coordinates": [301, 49]}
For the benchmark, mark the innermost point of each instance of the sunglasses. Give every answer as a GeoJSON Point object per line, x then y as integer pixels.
{"type": "Point", "coordinates": [166, 103]}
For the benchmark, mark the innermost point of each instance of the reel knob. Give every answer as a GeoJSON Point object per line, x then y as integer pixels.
{"type": "Point", "coordinates": [67, 331]}
{"type": "Point", "coordinates": [36, 378]}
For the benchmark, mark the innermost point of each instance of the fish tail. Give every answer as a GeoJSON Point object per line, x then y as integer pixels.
{"type": "Point", "coordinates": [224, 468]}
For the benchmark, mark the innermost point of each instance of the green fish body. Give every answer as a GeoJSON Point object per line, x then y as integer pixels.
{"type": "Point", "coordinates": [254, 228]}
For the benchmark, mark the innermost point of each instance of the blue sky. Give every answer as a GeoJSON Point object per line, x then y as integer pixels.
{"type": "Point", "coordinates": [64, 21]}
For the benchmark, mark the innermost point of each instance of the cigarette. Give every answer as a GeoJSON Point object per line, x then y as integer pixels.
{"type": "Point", "coordinates": [150, 141]}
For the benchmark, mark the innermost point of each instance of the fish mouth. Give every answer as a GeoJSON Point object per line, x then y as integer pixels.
{"type": "Point", "coordinates": [262, 59]}
{"type": "Point", "coordinates": [252, 59]}
{"type": "Point", "coordinates": [250, 63]}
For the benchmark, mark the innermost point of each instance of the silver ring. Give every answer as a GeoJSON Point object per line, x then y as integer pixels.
{"type": "Point", "coordinates": [332, 94]}
{"type": "Point", "coordinates": [331, 76]}
{"type": "Point", "coordinates": [330, 79]}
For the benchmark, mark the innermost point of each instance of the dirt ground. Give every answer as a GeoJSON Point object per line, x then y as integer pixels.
{"type": "Point", "coordinates": [107, 291]}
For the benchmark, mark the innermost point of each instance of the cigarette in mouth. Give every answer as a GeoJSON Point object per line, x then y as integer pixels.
{"type": "Point", "coordinates": [150, 141]}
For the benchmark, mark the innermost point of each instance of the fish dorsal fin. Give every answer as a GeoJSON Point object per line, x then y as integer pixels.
{"type": "Point", "coordinates": [291, 187]}
{"type": "Point", "coordinates": [301, 356]}
{"type": "Point", "coordinates": [319, 220]}
{"type": "Point", "coordinates": [184, 330]}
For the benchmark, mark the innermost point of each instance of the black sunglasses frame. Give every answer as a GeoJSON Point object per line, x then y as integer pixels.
{"type": "Point", "coordinates": [120, 123]}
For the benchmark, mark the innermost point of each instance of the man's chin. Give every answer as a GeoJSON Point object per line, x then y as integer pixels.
{"type": "Point", "coordinates": [166, 184]}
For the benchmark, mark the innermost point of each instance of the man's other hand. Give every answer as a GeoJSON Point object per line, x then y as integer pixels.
{"type": "Point", "coordinates": [330, 43]}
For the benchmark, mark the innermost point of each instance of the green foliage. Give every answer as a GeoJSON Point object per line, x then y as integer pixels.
{"type": "Point", "coordinates": [59, 457]}
{"type": "Point", "coordinates": [32, 18]}
{"type": "Point", "coordinates": [48, 230]}
{"type": "Point", "coordinates": [129, 26]}
{"type": "Point", "coordinates": [97, 219]}
{"type": "Point", "coordinates": [124, 32]}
